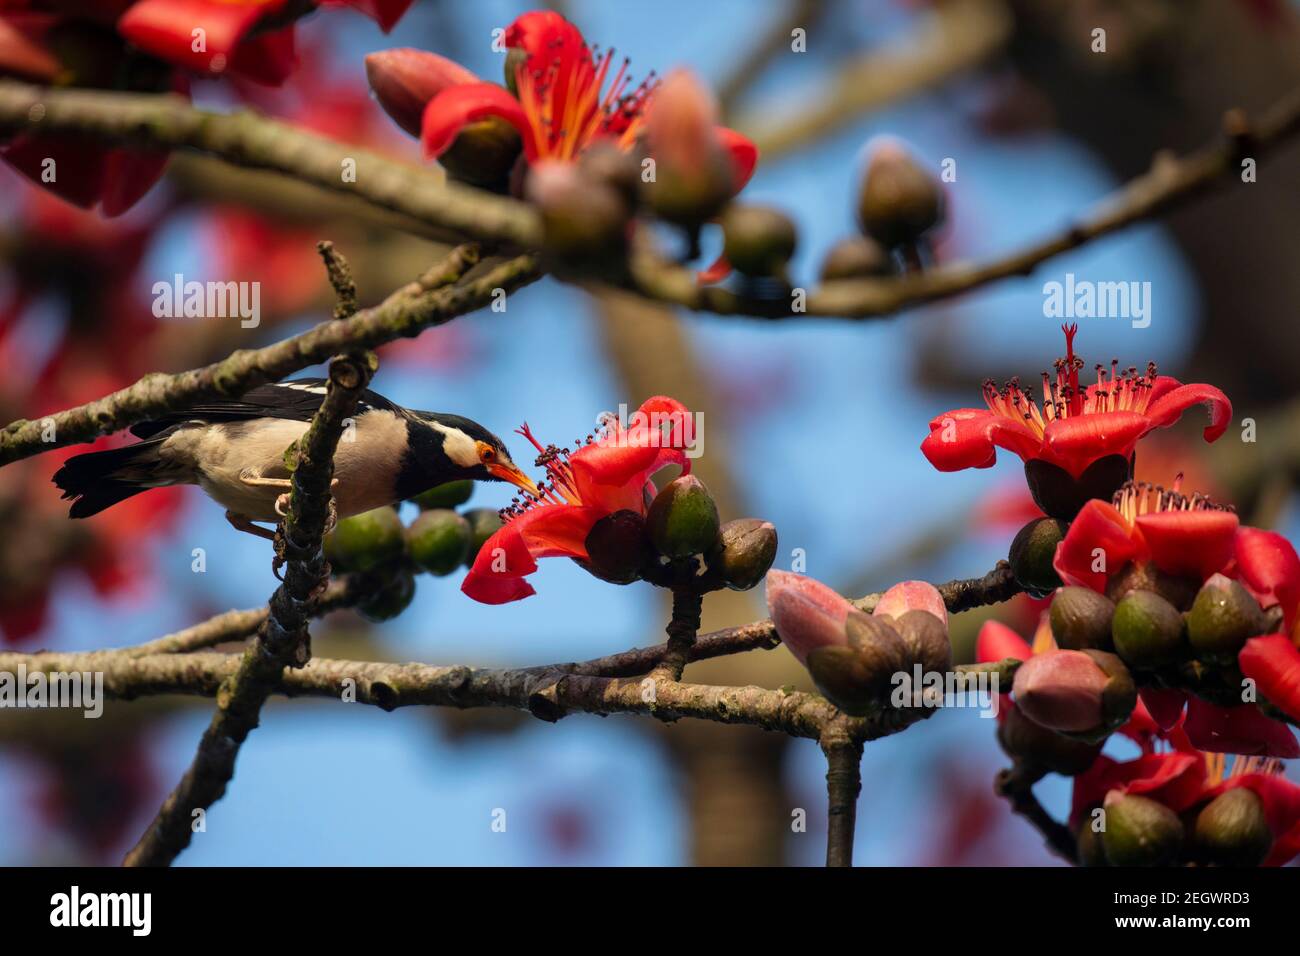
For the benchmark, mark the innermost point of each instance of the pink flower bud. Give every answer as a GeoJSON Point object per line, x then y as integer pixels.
{"type": "Point", "coordinates": [807, 613]}
{"type": "Point", "coordinates": [404, 80]}
{"type": "Point", "coordinates": [1061, 690]}
{"type": "Point", "coordinates": [912, 596]}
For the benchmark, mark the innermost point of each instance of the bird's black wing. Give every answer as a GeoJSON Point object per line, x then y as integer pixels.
{"type": "Point", "coordinates": [296, 400]}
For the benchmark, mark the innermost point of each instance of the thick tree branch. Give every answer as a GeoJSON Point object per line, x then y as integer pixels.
{"type": "Point", "coordinates": [248, 139]}
{"type": "Point", "coordinates": [406, 312]}
{"type": "Point", "coordinates": [282, 639]}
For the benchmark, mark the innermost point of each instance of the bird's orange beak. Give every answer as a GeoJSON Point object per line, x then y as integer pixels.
{"type": "Point", "coordinates": [512, 474]}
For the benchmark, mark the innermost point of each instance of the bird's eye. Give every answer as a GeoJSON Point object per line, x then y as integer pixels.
{"type": "Point", "coordinates": [487, 455]}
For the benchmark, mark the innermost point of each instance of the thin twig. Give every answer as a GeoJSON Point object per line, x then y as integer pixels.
{"type": "Point", "coordinates": [1016, 785]}
{"type": "Point", "coordinates": [682, 631]}
{"type": "Point", "coordinates": [282, 639]}
{"type": "Point", "coordinates": [400, 315]}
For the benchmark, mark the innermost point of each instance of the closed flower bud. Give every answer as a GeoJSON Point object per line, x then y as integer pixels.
{"type": "Point", "coordinates": [483, 523]}
{"type": "Point", "coordinates": [366, 541]}
{"type": "Point", "coordinates": [617, 548]}
{"type": "Point", "coordinates": [807, 613]}
{"type": "Point", "coordinates": [1081, 618]}
{"type": "Point", "coordinates": [926, 638]}
{"type": "Point", "coordinates": [1061, 495]}
{"type": "Point", "coordinates": [1032, 552]}
{"type": "Point", "coordinates": [899, 200]}
{"type": "Point", "coordinates": [438, 540]}
{"type": "Point", "coordinates": [391, 599]}
{"type": "Point", "coordinates": [1089, 847]}
{"type": "Point", "coordinates": [1118, 696]}
{"type": "Point", "coordinates": [1177, 590]}
{"type": "Point", "coordinates": [1036, 746]}
{"type": "Point", "coordinates": [1061, 690]}
{"type": "Point", "coordinates": [1233, 830]}
{"type": "Point", "coordinates": [856, 257]}
{"type": "Point", "coordinates": [404, 80]}
{"type": "Point", "coordinates": [683, 520]}
{"type": "Point", "coordinates": [693, 174]}
{"type": "Point", "coordinates": [583, 221]}
{"type": "Point", "coordinates": [1223, 617]}
{"type": "Point", "coordinates": [616, 168]}
{"type": "Point", "coordinates": [1140, 832]}
{"type": "Point", "coordinates": [1147, 631]}
{"type": "Point", "coordinates": [483, 153]}
{"type": "Point", "coordinates": [912, 596]}
{"type": "Point", "coordinates": [758, 241]}
{"type": "Point", "coordinates": [748, 548]}
{"type": "Point", "coordinates": [858, 677]}
{"type": "Point", "coordinates": [447, 495]}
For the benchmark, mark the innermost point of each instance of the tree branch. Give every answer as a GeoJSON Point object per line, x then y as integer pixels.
{"type": "Point", "coordinates": [405, 313]}
{"type": "Point", "coordinates": [843, 785]}
{"type": "Point", "coordinates": [282, 639]}
{"type": "Point", "coordinates": [1016, 785]}
{"type": "Point", "coordinates": [245, 138]}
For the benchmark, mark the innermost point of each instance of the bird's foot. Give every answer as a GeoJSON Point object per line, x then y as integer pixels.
{"type": "Point", "coordinates": [242, 523]}
{"type": "Point", "coordinates": [281, 543]}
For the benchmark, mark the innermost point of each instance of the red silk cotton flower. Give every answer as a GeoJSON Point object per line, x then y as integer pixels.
{"type": "Point", "coordinates": [1078, 442]}
{"type": "Point", "coordinates": [563, 98]}
{"type": "Point", "coordinates": [582, 486]}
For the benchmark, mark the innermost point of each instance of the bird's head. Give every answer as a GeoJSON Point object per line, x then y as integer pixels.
{"type": "Point", "coordinates": [474, 452]}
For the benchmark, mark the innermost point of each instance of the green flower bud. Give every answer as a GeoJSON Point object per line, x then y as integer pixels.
{"type": "Point", "coordinates": [1140, 832]}
{"type": "Point", "coordinates": [857, 677]}
{"type": "Point", "coordinates": [617, 548]}
{"type": "Point", "coordinates": [1081, 619]}
{"type": "Point", "coordinates": [683, 520]}
{"type": "Point", "coordinates": [747, 551]}
{"type": "Point", "coordinates": [1147, 630]}
{"type": "Point", "coordinates": [899, 200]}
{"type": "Point", "coordinates": [1037, 746]}
{"type": "Point", "coordinates": [758, 241]}
{"type": "Point", "coordinates": [1061, 495]}
{"type": "Point", "coordinates": [483, 153]}
{"type": "Point", "coordinates": [1223, 617]}
{"type": "Point", "coordinates": [483, 523]}
{"type": "Point", "coordinates": [856, 257]}
{"type": "Point", "coordinates": [366, 541]}
{"type": "Point", "coordinates": [1118, 696]}
{"type": "Point", "coordinates": [391, 599]}
{"type": "Point", "coordinates": [1089, 846]}
{"type": "Point", "coordinates": [1032, 552]}
{"type": "Point", "coordinates": [438, 541]}
{"type": "Point", "coordinates": [1178, 591]}
{"type": "Point", "coordinates": [1232, 830]}
{"type": "Point", "coordinates": [447, 495]}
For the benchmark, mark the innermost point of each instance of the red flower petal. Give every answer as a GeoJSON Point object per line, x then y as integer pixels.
{"type": "Point", "coordinates": [611, 473]}
{"type": "Point", "coordinates": [744, 154]}
{"type": "Point", "coordinates": [1164, 705]}
{"type": "Point", "coordinates": [128, 175]}
{"type": "Point", "coordinates": [1075, 443]}
{"type": "Point", "coordinates": [1273, 663]}
{"type": "Point", "coordinates": [1270, 569]}
{"type": "Point", "coordinates": [165, 29]}
{"type": "Point", "coordinates": [456, 107]}
{"type": "Point", "coordinates": [547, 531]}
{"type": "Point", "coordinates": [1165, 409]}
{"type": "Point", "coordinates": [997, 642]}
{"type": "Point", "coordinates": [22, 54]}
{"type": "Point", "coordinates": [1175, 779]}
{"type": "Point", "coordinates": [1098, 526]}
{"type": "Point", "coordinates": [384, 12]}
{"type": "Point", "coordinates": [1196, 543]}
{"type": "Point", "coordinates": [970, 437]}
{"type": "Point", "coordinates": [1238, 730]}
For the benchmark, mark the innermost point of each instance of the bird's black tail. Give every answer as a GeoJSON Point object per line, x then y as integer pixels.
{"type": "Point", "coordinates": [100, 479]}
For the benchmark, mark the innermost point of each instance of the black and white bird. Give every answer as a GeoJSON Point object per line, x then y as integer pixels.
{"type": "Point", "coordinates": [234, 451]}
